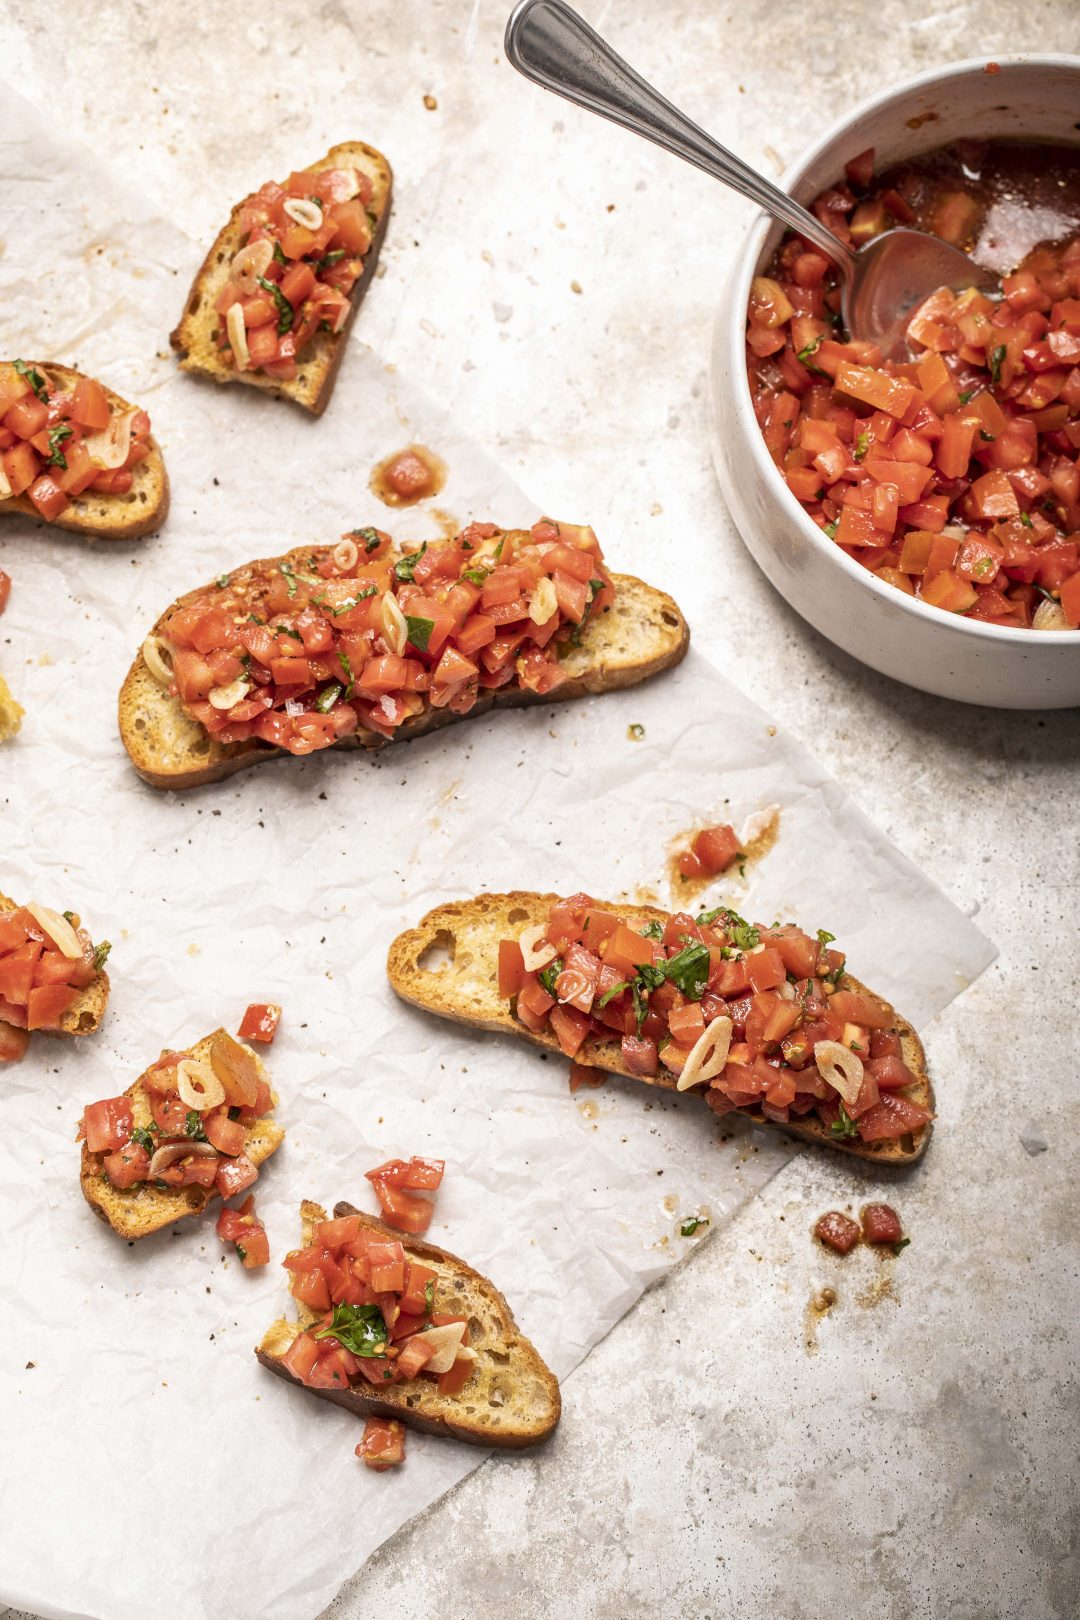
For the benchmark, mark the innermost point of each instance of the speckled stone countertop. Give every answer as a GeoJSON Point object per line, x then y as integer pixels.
{"type": "Point", "coordinates": [729, 1449]}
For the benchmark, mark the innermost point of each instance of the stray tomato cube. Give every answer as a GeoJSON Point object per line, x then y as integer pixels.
{"type": "Point", "coordinates": [837, 1231]}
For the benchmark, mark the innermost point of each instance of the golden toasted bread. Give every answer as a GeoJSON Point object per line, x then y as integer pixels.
{"type": "Point", "coordinates": [194, 337]}
{"type": "Point", "coordinates": [84, 1015]}
{"type": "Point", "coordinates": [11, 713]}
{"type": "Point", "coordinates": [97, 516]}
{"type": "Point", "coordinates": [640, 635]}
{"type": "Point", "coordinates": [512, 1399]}
{"type": "Point", "coordinates": [464, 936]}
{"type": "Point", "coordinates": [136, 1212]}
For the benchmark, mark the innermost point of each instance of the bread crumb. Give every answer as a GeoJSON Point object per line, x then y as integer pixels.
{"type": "Point", "coordinates": [430, 103]}
{"type": "Point", "coordinates": [11, 713]}
{"type": "Point", "coordinates": [575, 286]}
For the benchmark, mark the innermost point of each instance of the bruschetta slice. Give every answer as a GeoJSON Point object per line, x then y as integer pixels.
{"type": "Point", "coordinates": [192, 1128]}
{"type": "Point", "coordinates": [417, 1336]}
{"type": "Point", "coordinates": [361, 644]}
{"type": "Point", "coordinates": [763, 1021]}
{"type": "Point", "coordinates": [276, 295]}
{"type": "Point", "coordinates": [75, 454]}
{"type": "Point", "coordinates": [52, 976]}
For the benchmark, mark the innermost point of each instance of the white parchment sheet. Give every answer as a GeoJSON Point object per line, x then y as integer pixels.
{"type": "Point", "coordinates": [147, 1460]}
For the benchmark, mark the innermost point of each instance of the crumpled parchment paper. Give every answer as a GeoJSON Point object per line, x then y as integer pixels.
{"type": "Point", "coordinates": [148, 1461]}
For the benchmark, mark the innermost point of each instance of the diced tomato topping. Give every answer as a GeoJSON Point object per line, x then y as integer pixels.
{"type": "Point", "coordinates": [260, 1022]}
{"type": "Point", "coordinates": [383, 1444]}
{"type": "Point", "coordinates": [242, 1227]}
{"type": "Point", "coordinates": [108, 1124]}
{"type": "Point", "coordinates": [837, 1231]}
{"type": "Point", "coordinates": [881, 1224]}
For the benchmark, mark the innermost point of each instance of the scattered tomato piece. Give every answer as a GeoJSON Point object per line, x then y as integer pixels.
{"type": "Point", "coordinates": [242, 1227]}
{"type": "Point", "coordinates": [383, 1444]}
{"type": "Point", "coordinates": [260, 1022]}
{"type": "Point", "coordinates": [881, 1224]}
{"type": "Point", "coordinates": [837, 1231]}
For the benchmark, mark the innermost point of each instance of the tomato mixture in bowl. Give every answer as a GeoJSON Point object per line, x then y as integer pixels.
{"type": "Point", "coordinates": [47, 960]}
{"type": "Point", "coordinates": [56, 444]}
{"type": "Point", "coordinates": [954, 477]}
{"type": "Point", "coordinates": [355, 638]}
{"type": "Point", "coordinates": [760, 1015]}
{"type": "Point", "coordinates": [304, 248]}
{"type": "Point", "coordinates": [185, 1122]}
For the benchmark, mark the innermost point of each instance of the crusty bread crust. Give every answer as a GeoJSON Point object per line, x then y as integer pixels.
{"type": "Point", "coordinates": [84, 1015]}
{"type": "Point", "coordinates": [136, 1212]}
{"type": "Point", "coordinates": [642, 634]}
{"type": "Point", "coordinates": [105, 517]}
{"type": "Point", "coordinates": [193, 338]}
{"type": "Point", "coordinates": [465, 934]}
{"type": "Point", "coordinates": [512, 1399]}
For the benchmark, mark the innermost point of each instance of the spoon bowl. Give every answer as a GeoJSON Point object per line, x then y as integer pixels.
{"type": "Point", "coordinates": [882, 283]}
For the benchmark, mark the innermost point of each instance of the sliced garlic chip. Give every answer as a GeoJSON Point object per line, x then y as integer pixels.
{"type": "Point", "coordinates": [534, 955]}
{"type": "Point", "coordinates": [447, 1341]}
{"type": "Point", "coordinates": [109, 448]}
{"type": "Point", "coordinates": [1050, 616]}
{"type": "Point", "coordinates": [238, 343]}
{"type": "Point", "coordinates": [249, 264]}
{"type": "Point", "coordinates": [345, 555]}
{"type": "Point", "coordinates": [839, 1066]}
{"type": "Point", "coordinates": [395, 630]}
{"type": "Point", "coordinates": [708, 1055]}
{"type": "Point", "coordinates": [304, 212]}
{"type": "Point", "coordinates": [223, 697]}
{"type": "Point", "coordinates": [198, 1085]}
{"type": "Point", "coordinates": [543, 601]}
{"type": "Point", "coordinates": [58, 929]}
{"type": "Point", "coordinates": [158, 659]}
{"type": "Point", "coordinates": [5, 483]}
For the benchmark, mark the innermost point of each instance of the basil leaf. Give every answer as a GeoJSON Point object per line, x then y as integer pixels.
{"type": "Point", "coordinates": [193, 1126]}
{"type": "Point", "coordinates": [652, 930]}
{"type": "Point", "coordinates": [845, 1126]}
{"type": "Point", "coordinates": [405, 567]}
{"type": "Point", "coordinates": [689, 1227]}
{"type": "Point", "coordinates": [330, 258]}
{"type": "Point", "coordinates": [824, 937]}
{"type": "Point", "coordinates": [35, 379]}
{"type": "Point", "coordinates": [548, 975]}
{"type": "Point", "coordinates": [328, 697]}
{"type": "Point", "coordinates": [57, 435]}
{"type": "Point", "coordinates": [290, 577]}
{"type": "Point", "coordinates": [475, 576]}
{"type": "Point", "coordinates": [142, 1138]}
{"type": "Point", "coordinates": [705, 918]}
{"type": "Point", "coordinates": [689, 970]}
{"type": "Point", "coordinates": [360, 1328]}
{"type": "Point", "coordinates": [997, 360]}
{"type": "Point", "coordinates": [285, 315]}
{"type": "Point", "coordinates": [279, 253]}
{"type": "Point", "coordinates": [429, 1294]}
{"type": "Point", "coordinates": [652, 974]}
{"type": "Point", "coordinates": [346, 670]}
{"type": "Point", "coordinates": [368, 536]}
{"type": "Point", "coordinates": [419, 631]}
{"type": "Point", "coordinates": [616, 990]}
{"type": "Point", "coordinates": [101, 953]}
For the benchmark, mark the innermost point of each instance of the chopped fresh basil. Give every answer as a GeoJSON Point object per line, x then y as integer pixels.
{"type": "Point", "coordinates": [56, 457]}
{"type": "Point", "coordinates": [705, 918]}
{"type": "Point", "coordinates": [279, 253]}
{"type": "Point", "coordinates": [69, 916]}
{"type": "Point", "coordinates": [549, 974]}
{"type": "Point", "coordinates": [429, 1294]}
{"type": "Point", "coordinates": [987, 438]}
{"type": "Point", "coordinates": [419, 631]}
{"type": "Point", "coordinates": [475, 576]}
{"type": "Point", "coordinates": [811, 348]}
{"type": "Point", "coordinates": [338, 608]}
{"type": "Point", "coordinates": [967, 395]}
{"type": "Point", "coordinates": [635, 731]}
{"type": "Point", "coordinates": [824, 937]}
{"type": "Point", "coordinates": [328, 697]}
{"type": "Point", "coordinates": [193, 1126]}
{"type": "Point", "coordinates": [142, 1138]}
{"type": "Point", "coordinates": [595, 587]}
{"type": "Point", "coordinates": [101, 953]}
{"type": "Point", "coordinates": [346, 670]}
{"type": "Point", "coordinates": [844, 1126]}
{"type": "Point", "coordinates": [330, 258]}
{"type": "Point", "coordinates": [997, 360]}
{"type": "Point", "coordinates": [368, 536]}
{"type": "Point", "coordinates": [1025, 518]}
{"type": "Point", "coordinates": [862, 445]}
{"type": "Point", "coordinates": [290, 577]}
{"type": "Point", "coordinates": [830, 530]}
{"type": "Point", "coordinates": [360, 1328]}
{"type": "Point", "coordinates": [405, 567]}
{"type": "Point", "coordinates": [652, 930]}
{"type": "Point", "coordinates": [837, 973]}
{"type": "Point", "coordinates": [223, 580]}
{"type": "Point", "coordinates": [689, 970]}
{"type": "Point", "coordinates": [689, 1227]}
{"type": "Point", "coordinates": [901, 1243]}
{"type": "Point", "coordinates": [651, 974]}
{"type": "Point", "coordinates": [616, 990]}
{"type": "Point", "coordinates": [241, 1251]}
{"type": "Point", "coordinates": [35, 379]}
{"type": "Point", "coordinates": [285, 314]}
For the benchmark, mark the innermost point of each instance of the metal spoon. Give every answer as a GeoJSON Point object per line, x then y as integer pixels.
{"type": "Point", "coordinates": [881, 284]}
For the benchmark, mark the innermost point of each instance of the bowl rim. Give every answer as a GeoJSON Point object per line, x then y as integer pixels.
{"type": "Point", "coordinates": [744, 265]}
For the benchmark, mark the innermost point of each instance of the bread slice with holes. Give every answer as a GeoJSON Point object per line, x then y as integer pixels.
{"type": "Point", "coordinates": [642, 634]}
{"type": "Point", "coordinates": [512, 1399]}
{"type": "Point", "coordinates": [195, 337]}
{"type": "Point", "coordinates": [465, 935]}
{"type": "Point", "coordinates": [84, 1015]}
{"type": "Point", "coordinates": [136, 1212]}
{"type": "Point", "coordinates": [93, 515]}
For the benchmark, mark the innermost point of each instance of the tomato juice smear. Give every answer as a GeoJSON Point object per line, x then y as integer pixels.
{"type": "Point", "coordinates": [955, 477]}
{"type": "Point", "coordinates": [761, 1015]}
{"type": "Point", "coordinates": [302, 653]}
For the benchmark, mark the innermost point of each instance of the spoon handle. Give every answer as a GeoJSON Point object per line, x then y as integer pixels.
{"type": "Point", "coordinates": [549, 43]}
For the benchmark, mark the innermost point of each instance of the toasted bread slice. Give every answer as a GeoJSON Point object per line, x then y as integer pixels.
{"type": "Point", "coordinates": [84, 1015]}
{"type": "Point", "coordinates": [105, 517]}
{"type": "Point", "coordinates": [642, 634]}
{"type": "Point", "coordinates": [313, 384]}
{"type": "Point", "coordinates": [11, 713]}
{"type": "Point", "coordinates": [135, 1212]}
{"type": "Point", "coordinates": [512, 1399]}
{"type": "Point", "coordinates": [465, 988]}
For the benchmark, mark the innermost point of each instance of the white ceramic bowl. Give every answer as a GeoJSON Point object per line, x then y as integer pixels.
{"type": "Point", "coordinates": [1036, 97]}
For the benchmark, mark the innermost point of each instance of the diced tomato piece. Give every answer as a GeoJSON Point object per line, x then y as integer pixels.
{"type": "Point", "coordinates": [765, 968]}
{"type": "Point", "coordinates": [13, 1042]}
{"type": "Point", "coordinates": [90, 405]}
{"type": "Point", "coordinates": [47, 1005]}
{"type": "Point", "coordinates": [403, 1210]}
{"type": "Point", "coordinates": [128, 1166]}
{"type": "Point", "coordinates": [881, 1224]}
{"type": "Point", "coordinates": [837, 1231]}
{"type": "Point", "coordinates": [716, 848]}
{"type": "Point", "coordinates": [418, 1278]}
{"type": "Point", "coordinates": [48, 497]}
{"type": "Point", "coordinates": [415, 1355]}
{"type": "Point", "coordinates": [260, 1022]}
{"type": "Point", "coordinates": [570, 1027]}
{"type": "Point", "coordinates": [235, 1176]}
{"type": "Point", "coordinates": [511, 968]}
{"type": "Point", "coordinates": [383, 1444]}
{"type": "Point", "coordinates": [301, 1356]}
{"type": "Point", "coordinates": [454, 1381]}
{"type": "Point", "coordinates": [893, 1116]}
{"type": "Point", "coordinates": [29, 415]}
{"type": "Point", "coordinates": [108, 1124]}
